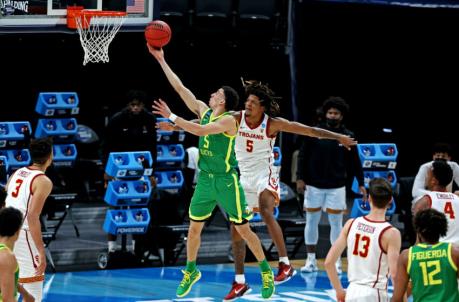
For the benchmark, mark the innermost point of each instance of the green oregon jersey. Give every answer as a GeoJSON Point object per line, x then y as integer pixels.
{"type": "Point", "coordinates": [216, 151]}
{"type": "Point", "coordinates": [433, 273]}
{"type": "Point", "coordinates": [16, 274]}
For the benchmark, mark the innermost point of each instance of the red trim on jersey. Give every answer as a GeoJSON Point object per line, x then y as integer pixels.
{"type": "Point", "coordinates": [239, 118]}
{"type": "Point", "coordinates": [380, 238]}
{"type": "Point", "coordinates": [379, 268]}
{"type": "Point", "coordinates": [270, 171]}
{"type": "Point", "coordinates": [375, 221]}
{"type": "Point", "coordinates": [32, 168]}
{"type": "Point", "coordinates": [27, 208]}
{"type": "Point", "coordinates": [429, 201]}
{"type": "Point", "coordinates": [350, 226]}
{"type": "Point", "coordinates": [268, 123]}
{"type": "Point", "coordinates": [31, 182]}
{"type": "Point", "coordinates": [256, 125]}
{"type": "Point", "coordinates": [30, 249]}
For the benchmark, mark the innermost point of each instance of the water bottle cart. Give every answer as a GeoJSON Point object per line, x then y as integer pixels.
{"type": "Point", "coordinates": [128, 194]}
{"type": "Point", "coordinates": [378, 160]}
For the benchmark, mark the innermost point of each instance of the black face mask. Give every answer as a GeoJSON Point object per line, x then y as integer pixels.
{"type": "Point", "coordinates": [332, 122]}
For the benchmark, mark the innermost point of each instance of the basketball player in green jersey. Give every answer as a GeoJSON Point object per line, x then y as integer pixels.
{"type": "Point", "coordinates": [218, 179]}
{"type": "Point", "coordinates": [10, 226]}
{"type": "Point", "coordinates": [431, 265]}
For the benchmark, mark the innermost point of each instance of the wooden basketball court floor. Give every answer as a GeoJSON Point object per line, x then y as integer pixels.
{"type": "Point", "coordinates": [159, 285]}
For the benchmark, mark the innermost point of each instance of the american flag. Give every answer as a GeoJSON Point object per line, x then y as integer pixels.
{"type": "Point", "coordinates": [135, 6]}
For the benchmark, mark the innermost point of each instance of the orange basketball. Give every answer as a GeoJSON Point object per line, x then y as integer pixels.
{"type": "Point", "coordinates": [157, 33]}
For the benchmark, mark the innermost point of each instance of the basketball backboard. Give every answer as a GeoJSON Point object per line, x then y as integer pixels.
{"type": "Point", "coordinates": [50, 15]}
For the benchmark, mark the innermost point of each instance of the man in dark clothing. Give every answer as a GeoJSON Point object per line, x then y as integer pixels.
{"type": "Point", "coordinates": [323, 170]}
{"type": "Point", "coordinates": [131, 129]}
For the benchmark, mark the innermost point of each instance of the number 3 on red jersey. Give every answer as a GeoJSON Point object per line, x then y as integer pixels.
{"type": "Point", "coordinates": [15, 193]}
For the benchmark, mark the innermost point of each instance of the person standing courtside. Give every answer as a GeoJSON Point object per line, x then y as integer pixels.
{"type": "Point", "coordinates": [373, 247]}
{"type": "Point", "coordinates": [324, 167]}
{"type": "Point", "coordinates": [218, 178]}
{"type": "Point", "coordinates": [131, 129]}
{"type": "Point", "coordinates": [10, 226]}
{"type": "Point", "coordinates": [430, 265]}
{"type": "Point", "coordinates": [27, 189]}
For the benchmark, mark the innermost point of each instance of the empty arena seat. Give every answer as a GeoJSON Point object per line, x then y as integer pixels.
{"type": "Point", "coordinates": [257, 18]}
{"type": "Point", "coordinates": [177, 13]}
{"type": "Point", "coordinates": [214, 17]}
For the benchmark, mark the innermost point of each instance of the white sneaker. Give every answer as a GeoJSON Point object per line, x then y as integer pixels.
{"type": "Point", "coordinates": [310, 266]}
{"type": "Point", "coordinates": [338, 266]}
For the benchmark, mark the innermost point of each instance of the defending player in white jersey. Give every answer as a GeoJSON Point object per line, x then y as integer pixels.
{"type": "Point", "coordinates": [372, 253]}
{"type": "Point", "coordinates": [27, 189]}
{"type": "Point", "coordinates": [258, 128]}
{"type": "Point", "coordinates": [438, 198]}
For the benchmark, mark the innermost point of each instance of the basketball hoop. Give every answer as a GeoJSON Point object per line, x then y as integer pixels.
{"type": "Point", "coordinates": [97, 30]}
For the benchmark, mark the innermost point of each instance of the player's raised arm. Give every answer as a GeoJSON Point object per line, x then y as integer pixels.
{"type": "Point", "coordinates": [226, 124]}
{"type": "Point", "coordinates": [281, 124]}
{"type": "Point", "coordinates": [195, 105]}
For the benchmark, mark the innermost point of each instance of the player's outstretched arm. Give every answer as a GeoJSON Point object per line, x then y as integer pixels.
{"type": "Point", "coordinates": [333, 254]}
{"type": "Point", "coordinates": [281, 124]}
{"type": "Point", "coordinates": [7, 269]}
{"type": "Point", "coordinates": [226, 124]}
{"type": "Point", "coordinates": [195, 105]}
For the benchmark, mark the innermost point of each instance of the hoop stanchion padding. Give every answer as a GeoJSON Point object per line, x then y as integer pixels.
{"type": "Point", "coordinates": [169, 155]}
{"type": "Point", "coordinates": [360, 208]}
{"type": "Point", "coordinates": [132, 221]}
{"type": "Point", "coordinates": [16, 158]}
{"type": "Point", "coordinates": [257, 216]}
{"type": "Point", "coordinates": [57, 103]}
{"type": "Point", "coordinates": [62, 128]}
{"type": "Point", "coordinates": [277, 154]}
{"type": "Point", "coordinates": [378, 155]}
{"type": "Point", "coordinates": [169, 179]}
{"type": "Point", "coordinates": [129, 164]}
{"type": "Point", "coordinates": [64, 155]}
{"type": "Point", "coordinates": [163, 136]}
{"type": "Point", "coordinates": [128, 193]}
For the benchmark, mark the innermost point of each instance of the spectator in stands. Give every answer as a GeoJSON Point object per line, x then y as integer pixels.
{"type": "Point", "coordinates": [131, 129]}
{"type": "Point", "coordinates": [440, 151]}
{"type": "Point", "coordinates": [324, 167]}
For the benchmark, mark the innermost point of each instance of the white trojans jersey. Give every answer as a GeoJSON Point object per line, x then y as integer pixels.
{"type": "Point", "coordinates": [447, 203]}
{"type": "Point", "coordinates": [19, 190]}
{"type": "Point", "coordinates": [367, 261]}
{"type": "Point", "coordinates": [253, 146]}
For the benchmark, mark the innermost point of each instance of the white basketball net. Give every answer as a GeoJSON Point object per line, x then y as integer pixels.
{"type": "Point", "coordinates": [96, 34]}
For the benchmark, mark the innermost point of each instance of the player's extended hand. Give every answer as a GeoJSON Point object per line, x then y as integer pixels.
{"type": "Point", "coordinates": [300, 186]}
{"type": "Point", "coordinates": [165, 126]}
{"type": "Point", "coordinates": [347, 141]}
{"type": "Point", "coordinates": [40, 270]}
{"type": "Point", "coordinates": [160, 107]}
{"type": "Point", "coordinates": [340, 295]}
{"type": "Point", "coordinates": [363, 191]}
{"type": "Point", "coordinates": [158, 53]}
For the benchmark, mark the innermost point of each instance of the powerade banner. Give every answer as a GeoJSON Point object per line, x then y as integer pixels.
{"type": "Point", "coordinates": [413, 3]}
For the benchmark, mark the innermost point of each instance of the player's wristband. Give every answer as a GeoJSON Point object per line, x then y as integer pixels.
{"type": "Point", "coordinates": [172, 117]}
